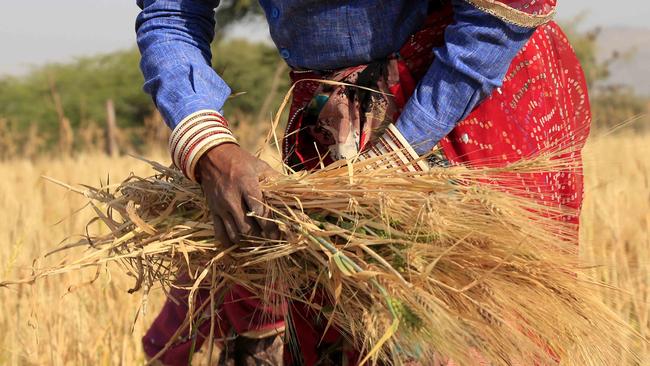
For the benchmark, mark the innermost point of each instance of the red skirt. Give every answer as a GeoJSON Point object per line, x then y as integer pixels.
{"type": "Point", "coordinates": [542, 104]}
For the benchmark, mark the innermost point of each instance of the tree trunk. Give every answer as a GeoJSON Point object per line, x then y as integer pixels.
{"type": "Point", "coordinates": [111, 129]}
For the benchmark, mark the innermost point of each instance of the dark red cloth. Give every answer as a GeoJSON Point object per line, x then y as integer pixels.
{"type": "Point", "coordinates": [543, 102]}
{"type": "Point", "coordinates": [168, 322]}
{"type": "Point", "coordinates": [239, 312]}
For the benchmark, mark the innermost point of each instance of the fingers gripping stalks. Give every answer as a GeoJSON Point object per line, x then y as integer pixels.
{"type": "Point", "coordinates": [230, 178]}
{"type": "Point", "coordinates": [205, 150]}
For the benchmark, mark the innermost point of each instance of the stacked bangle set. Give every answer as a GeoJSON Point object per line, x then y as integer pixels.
{"type": "Point", "coordinates": [194, 136]}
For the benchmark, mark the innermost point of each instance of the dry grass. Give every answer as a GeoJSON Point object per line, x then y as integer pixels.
{"type": "Point", "coordinates": [93, 324]}
{"type": "Point", "coordinates": [616, 225]}
{"type": "Point", "coordinates": [43, 324]}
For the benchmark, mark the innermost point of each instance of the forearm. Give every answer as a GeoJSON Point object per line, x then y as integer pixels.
{"type": "Point", "coordinates": [174, 39]}
{"type": "Point", "coordinates": [478, 51]}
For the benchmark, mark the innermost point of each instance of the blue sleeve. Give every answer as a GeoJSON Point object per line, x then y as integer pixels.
{"type": "Point", "coordinates": [478, 51]}
{"type": "Point", "coordinates": [174, 38]}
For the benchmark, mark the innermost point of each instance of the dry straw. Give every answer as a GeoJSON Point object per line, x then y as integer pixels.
{"type": "Point", "coordinates": [428, 266]}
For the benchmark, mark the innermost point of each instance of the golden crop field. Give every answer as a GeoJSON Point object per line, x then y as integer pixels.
{"type": "Point", "coordinates": [69, 320]}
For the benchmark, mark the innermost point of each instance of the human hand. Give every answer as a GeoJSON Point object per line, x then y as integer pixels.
{"type": "Point", "coordinates": [230, 178]}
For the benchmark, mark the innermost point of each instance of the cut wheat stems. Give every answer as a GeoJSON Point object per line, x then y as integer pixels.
{"type": "Point", "coordinates": [411, 265]}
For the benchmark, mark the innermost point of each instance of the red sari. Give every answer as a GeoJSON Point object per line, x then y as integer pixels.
{"type": "Point", "coordinates": [543, 102]}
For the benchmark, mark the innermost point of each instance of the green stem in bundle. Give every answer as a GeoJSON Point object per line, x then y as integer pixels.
{"type": "Point", "coordinates": [346, 265]}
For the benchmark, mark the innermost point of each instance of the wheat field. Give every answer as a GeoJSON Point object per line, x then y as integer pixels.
{"type": "Point", "coordinates": [73, 320]}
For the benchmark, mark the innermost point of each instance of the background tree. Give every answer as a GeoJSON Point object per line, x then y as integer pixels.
{"type": "Point", "coordinates": [612, 104]}
{"type": "Point", "coordinates": [84, 86]}
{"type": "Point", "coordinates": [233, 11]}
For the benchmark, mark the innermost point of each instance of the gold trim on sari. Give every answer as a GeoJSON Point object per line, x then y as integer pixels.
{"type": "Point", "coordinates": [512, 15]}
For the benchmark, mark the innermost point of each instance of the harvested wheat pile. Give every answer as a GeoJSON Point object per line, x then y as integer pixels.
{"type": "Point", "coordinates": [414, 265]}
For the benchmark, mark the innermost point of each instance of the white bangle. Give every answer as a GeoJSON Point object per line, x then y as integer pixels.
{"type": "Point", "coordinates": [190, 121]}
{"type": "Point", "coordinates": [194, 136]}
{"type": "Point", "coordinates": [205, 147]}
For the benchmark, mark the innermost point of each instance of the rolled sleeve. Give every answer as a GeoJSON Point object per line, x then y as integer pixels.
{"type": "Point", "coordinates": [478, 51]}
{"type": "Point", "coordinates": [174, 40]}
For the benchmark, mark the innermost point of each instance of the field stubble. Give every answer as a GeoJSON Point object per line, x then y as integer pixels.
{"type": "Point", "coordinates": [65, 320]}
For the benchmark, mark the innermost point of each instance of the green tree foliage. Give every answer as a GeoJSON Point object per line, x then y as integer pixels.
{"type": "Point", "coordinates": [86, 84]}
{"type": "Point", "coordinates": [83, 86]}
{"type": "Point", "coordinates": [232, 11]}
{"type": "Point", "coordinates": [611, 103]}
{"type": "Point", "coordinates": [586, 48]}
{"type": "Point", "coordinates": [248, 69]}
{"type": "Point", "coordinates": [614, 106]}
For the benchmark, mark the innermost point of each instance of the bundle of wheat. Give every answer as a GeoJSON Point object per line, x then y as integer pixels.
{"type": "Point", "coordinates": [412, 265]}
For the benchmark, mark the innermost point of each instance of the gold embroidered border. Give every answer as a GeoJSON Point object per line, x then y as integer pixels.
{"type": "Point", "coordinates": [512, 15]}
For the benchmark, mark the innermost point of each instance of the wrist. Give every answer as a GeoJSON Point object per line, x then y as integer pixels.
{"type": "Point", "coordinates": [208, 161]}
{"type": "Point", "coordinates": [197, 134]}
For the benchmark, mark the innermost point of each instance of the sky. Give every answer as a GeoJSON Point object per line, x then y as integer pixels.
{"type": "Point", "coordinates": [39, 31]}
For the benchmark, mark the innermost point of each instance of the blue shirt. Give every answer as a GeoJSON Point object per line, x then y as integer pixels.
{"type": "Point", "coordinates": [174, 39]}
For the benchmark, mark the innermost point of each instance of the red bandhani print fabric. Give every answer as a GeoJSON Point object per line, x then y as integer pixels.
{"type": "Point", "coordinates": [542, 103]}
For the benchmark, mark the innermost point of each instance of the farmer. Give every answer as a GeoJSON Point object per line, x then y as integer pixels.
{"type": "Point", "coordinates": [487, 81]}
